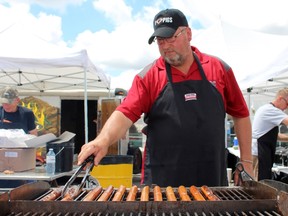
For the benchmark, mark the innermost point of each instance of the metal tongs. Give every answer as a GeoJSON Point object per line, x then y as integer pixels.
{"type": "Point", "coordinates": [77, 172]}
{"type": "Point", "coordinates": [244, 176]}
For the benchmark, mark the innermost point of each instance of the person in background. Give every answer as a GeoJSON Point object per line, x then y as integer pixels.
{"type": "Point", "coordinates": [265, 133]}
{"type": "Point", "coordinates": [185, 95]}
{"type": "Point", "coordinates": [14, 116]}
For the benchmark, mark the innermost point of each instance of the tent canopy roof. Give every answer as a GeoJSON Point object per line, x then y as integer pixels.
{"type": "Point", "coordinates": [46, 68]}
{"type": "Point", "coordinates": [259, 60]}
{"type": "Point", "coordinates": [39, 75]}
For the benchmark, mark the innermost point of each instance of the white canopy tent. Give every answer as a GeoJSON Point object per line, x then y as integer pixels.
{"type": "Point", "coordinates": [69, 73]}
{"type": "Point", "coordinates": [39, 67]}
{"type": "Point", "coordinates": [259, 60]}
{"type": "Point", "coordinates": [72, 74]}
{"type": "Point", "coordinates": [47, 69]}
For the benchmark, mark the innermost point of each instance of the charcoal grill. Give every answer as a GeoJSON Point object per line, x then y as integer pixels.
{"type": "Point", "coordinates": [252, 198]}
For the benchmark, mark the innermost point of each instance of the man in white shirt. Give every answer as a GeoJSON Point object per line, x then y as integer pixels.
{"type": "Point", "coordinates": [265, 133]}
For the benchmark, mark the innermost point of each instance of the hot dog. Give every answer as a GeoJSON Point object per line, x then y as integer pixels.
{"type": "Point", "coordinates": [132, 193]}
{"type": "Point", "coordinates": [107, 193]}
{"type": "Point", "coordinates": [170, 194]}
{"type": "Point", "coordinates": [71, 193]}
{"type": "Point", "coordinates": [145, 193]}
{"type": "Point", "coordinates": [67, 198]}
{"type": "Point", "coordinates": [209, 193]}
{"type": "Point", "coordinates": [196, 194]}
{"type": "Point", "coordinates": [92, 194]}
{"type": "Point", "coordinates": [54, 194]}
{"type": "Point", "coordinates": [157, 193]}
{"type": "Point", "coordinates": [119, 194]}
{"type": "Point", "coordinates": [183, 193]}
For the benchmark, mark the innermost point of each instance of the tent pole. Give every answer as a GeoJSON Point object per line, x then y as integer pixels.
{"type": "Point", "coordinates": [85, 106]}
{"type": "Point", "coordinates": [249, 99]}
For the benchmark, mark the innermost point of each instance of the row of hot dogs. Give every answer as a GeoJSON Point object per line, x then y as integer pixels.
{"type": "Point", "coordinates": [110, 193]}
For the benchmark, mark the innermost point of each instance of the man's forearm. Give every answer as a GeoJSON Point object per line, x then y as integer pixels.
{"type": "Point", "coordinates": [244, 134]}
{"type": "Point", "coordinates": [115, 127]}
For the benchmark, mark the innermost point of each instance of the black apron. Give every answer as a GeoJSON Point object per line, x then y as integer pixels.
{"type": "Point", "coordinates": [186, 135]}
{"type": "Point", "coordinates": [14, 125]}
{"type": "Point", "coordinates": [266, 153]}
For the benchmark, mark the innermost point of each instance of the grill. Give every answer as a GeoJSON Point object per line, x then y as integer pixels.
{"type": "Point", "coordinates": [252, 198]}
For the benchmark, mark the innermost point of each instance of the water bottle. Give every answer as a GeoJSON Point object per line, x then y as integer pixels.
{"type": "Point", "coordinates": [50, 162]}
{"type": "Point", "coordinates": [235, 141]}
{"type": "Point", "coordinates": [228, 130]}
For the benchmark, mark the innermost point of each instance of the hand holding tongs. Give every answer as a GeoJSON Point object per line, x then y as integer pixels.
{"type": "Point", "coordinates": [77, 172]}
{"type": "Point", "coordinates": [243, 175]}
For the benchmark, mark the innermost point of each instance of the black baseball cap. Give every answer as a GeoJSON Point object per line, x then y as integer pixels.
{"type": "Point", "coordinates": [166, 22]}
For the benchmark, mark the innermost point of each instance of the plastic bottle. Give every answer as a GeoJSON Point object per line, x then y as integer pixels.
{"type": "Point", "coordinates": [50, 162]}
{"type": "Point", "coordinates": [235, 141]}
{"type": "Point", "coordinates": [228, 129]}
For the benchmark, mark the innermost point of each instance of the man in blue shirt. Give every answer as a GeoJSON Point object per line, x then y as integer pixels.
{"type": "Point", "coordinates": [14, 116]}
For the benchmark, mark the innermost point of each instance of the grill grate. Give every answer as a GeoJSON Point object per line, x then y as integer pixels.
{"type": "Point", "coordinates": [233, 194]}
{"type": "Point", "coordinates": [223, 194]}
{"type": "Point", "coordinates": [253, 199]}
{"type": "Point", "coordinates": [250, 213]}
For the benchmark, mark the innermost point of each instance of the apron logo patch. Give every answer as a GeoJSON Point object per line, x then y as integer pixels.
{"type": "Point", "coordinates": [190, 96]}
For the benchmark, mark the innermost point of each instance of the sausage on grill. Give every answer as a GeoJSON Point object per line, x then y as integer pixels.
{"type": "Point", "coordinates": [106, 194]}
{"type": "Point", "coordinates": [145, 193]}
{"type": "Point", "coordinates": [183, 193]}
{"type": "Point", "coordinates": [209, 193]}
{"type": "Point", "coordinates": [157, 193]}
{"type": "Point", "coordinates": [196, 194]}
{"type": "Point", "coordinates": [92, 194]}
{"type": "Point", "coordinates": [170, 194]}
{"type": "Point", "coordinates": [67, 198]}
{"type": "Point", "coordinates": [71, 193]}
{"type": "Point", "coordinates": [132, 193]}
{"type": "Point", "coordinates": [119, 194]}
{"type": "Point", "coordinates": [54, 194]}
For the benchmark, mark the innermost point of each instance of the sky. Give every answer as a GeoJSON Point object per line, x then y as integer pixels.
{"type": "Point", "coordinates": [115, 32]}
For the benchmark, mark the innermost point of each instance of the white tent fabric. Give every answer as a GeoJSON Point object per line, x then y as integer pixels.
{"type": "Point", "coordinates": [254, 56]}
{"type": "Point", "coordinates": [52, 75]}
{"type": "Point", "coordinates": [46, 69]}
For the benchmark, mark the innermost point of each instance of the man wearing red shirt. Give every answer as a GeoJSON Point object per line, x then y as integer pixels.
{"type": "Point", "coordinates": [185, 96]}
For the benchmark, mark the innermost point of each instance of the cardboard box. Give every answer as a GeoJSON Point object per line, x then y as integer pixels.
{"type": "Point", "coordinates": [17, 138]}
{"type": "Point", "coordinates": [18, 150]}
{"type": "Point", "coordinates": [17, 159]}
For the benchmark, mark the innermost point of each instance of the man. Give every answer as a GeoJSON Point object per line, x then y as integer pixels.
{"type": "Point", "coordinates": [184, 95]}
{"type": "Point", "coordinates": [265, 132]}
{"type": "Point", "coordinates": [13, 116]}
